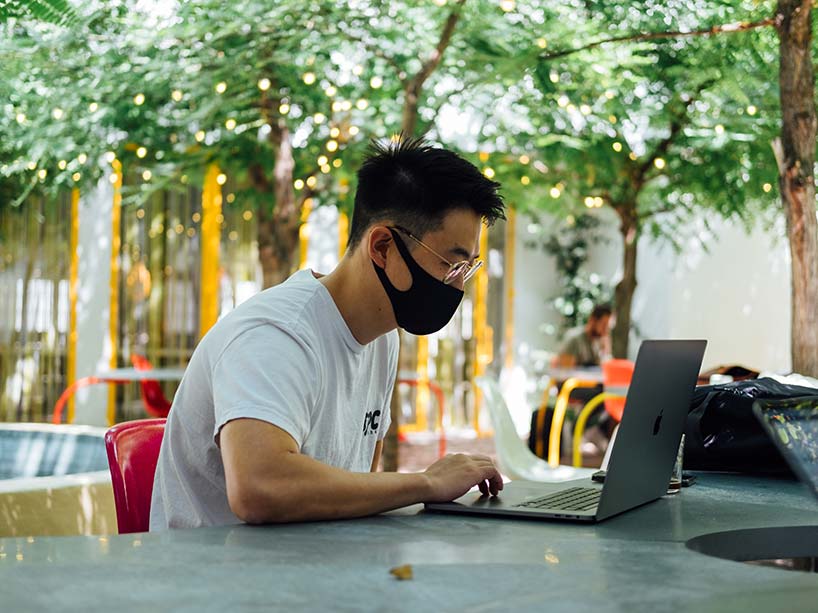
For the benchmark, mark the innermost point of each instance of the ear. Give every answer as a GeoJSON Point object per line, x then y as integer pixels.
{"type": "Point", "coordinates": [379, 240]}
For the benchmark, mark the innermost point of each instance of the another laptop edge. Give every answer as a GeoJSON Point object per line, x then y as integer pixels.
{"type": "Point", "coordinates": [792, 425]}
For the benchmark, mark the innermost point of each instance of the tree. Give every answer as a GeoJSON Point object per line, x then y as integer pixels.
{"type": "Point", "coordinates": [660, 131]}
{"type": "Point", "coordinates": [282, 99]}
{"type": "Point", "coordinates": [48, 11]}
{"type": "Point", "coordinates": [795, 154]}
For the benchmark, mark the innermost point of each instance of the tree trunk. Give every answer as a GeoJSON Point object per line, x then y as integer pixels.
{"type": "Point", "coordinates": [278, 225]}
{"type": "Point", "coordinates": [623, 294]}
{"type": "Point", "coordinates": [795, 153]}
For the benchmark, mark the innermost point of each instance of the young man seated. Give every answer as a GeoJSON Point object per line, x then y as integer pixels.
{"type": "Point", "coordinates": [283, 408]}
{"type": "Point", "coordinates": [587, 345]}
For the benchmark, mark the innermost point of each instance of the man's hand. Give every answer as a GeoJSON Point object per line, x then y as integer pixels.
{"type": "Point", "coordinates": [454, 475]}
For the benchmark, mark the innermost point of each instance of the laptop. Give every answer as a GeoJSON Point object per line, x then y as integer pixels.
{"type": "Point", "coordinates": [793, 427]}
{"type": "Point", "coordinates": [641, 462]}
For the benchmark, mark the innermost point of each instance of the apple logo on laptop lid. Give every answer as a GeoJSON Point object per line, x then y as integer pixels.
{"type": "Point", "coordinates": [658, 423]}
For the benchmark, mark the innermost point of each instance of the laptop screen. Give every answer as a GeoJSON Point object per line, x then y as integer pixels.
{"type": "Point", "coordinates": [793, 426]}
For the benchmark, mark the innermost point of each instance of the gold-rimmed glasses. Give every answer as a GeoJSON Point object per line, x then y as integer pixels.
{"type": "Point", "coordinates": [458, 270]}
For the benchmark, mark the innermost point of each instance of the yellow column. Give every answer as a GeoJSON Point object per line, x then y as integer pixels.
{"type": "Point", "coordinates": [343, 234]}
{"type": "Point", "coordinates": [71, 350]}
{"type": "Point", "coordinates": [113, 322]}
{"type": "Point", "coordinates": [211, 234]}
{"type": "Point", "coordinates": [304, 233]}
{"type": "Point", "coordinates": [483, 334]}
{"type": "Point", "coordinates": [422, 390]}
{"type": "Point", "coordinates": [508, 279]}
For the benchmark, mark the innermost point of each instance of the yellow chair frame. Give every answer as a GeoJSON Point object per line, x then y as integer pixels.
{"type": "Point", "coordinates": [582, 418]}
{"type": "Point", "coordinates": [560, 408]}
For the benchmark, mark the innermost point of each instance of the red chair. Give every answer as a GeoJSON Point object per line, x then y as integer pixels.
{"type": "Point", "coordinates": [156, 404]}
{"type": "Point", "coordinates": [133, 450]}
{"type": "Point", "coordinates": [438, 392]}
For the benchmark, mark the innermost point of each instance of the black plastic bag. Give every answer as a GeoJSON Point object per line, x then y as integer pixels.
{"type": "Point", "coordinates": [722, 434]}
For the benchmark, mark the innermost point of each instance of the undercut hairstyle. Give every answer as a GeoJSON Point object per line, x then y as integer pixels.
{"type": "Point", "coordinates": [415, 185]}
{"type": "Point", "coordinates": [600, 311]}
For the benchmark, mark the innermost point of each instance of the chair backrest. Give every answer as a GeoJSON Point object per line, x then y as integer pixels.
{"type": "Point", "coordinates": [153, 398]}
{"type": "Point", "coordinates": [513, 456]}
{"type": "Point", "coordinates": [133, 450]}
{"type": "Point", "coordinates": [616, 375]}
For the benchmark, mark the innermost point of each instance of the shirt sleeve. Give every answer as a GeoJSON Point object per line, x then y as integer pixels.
{"type": "Point", "coordinates": [570, 345]}
{"type": "Point", "coordinates": [269, 374]}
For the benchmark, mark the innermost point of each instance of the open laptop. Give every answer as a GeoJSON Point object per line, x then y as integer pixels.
{"type": "Point", "coordinates": [642, 460]}
{"type": "Point", "coordinates": [793, 427]}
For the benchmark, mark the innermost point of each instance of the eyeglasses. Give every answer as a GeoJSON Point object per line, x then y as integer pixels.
{"type": "Point", "coordinates": [459, 270]}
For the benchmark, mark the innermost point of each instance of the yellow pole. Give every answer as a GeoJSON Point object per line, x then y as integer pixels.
{"type": "Point", "coordinates": [71, 350]}
{"type": "Point", "coordinates": [482, 332]}
{"type": "Point", "coordinates": [508, 311]}
{"type": "Point", "coordinates": [422, 390]}
{"type": "Point", "coordinates": [343, 234]}
{"type": "Point", "coordinates": [211, 234]}
{"type": "Point", "coordinates": [304, 234]}
{"type": "Point", "coordinates": [113, 322]}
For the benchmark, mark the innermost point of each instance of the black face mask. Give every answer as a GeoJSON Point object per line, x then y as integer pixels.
{"type": "Point", "coordinates": [428, 304]}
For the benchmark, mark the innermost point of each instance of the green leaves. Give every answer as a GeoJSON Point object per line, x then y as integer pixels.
{"type": "Point", "coordinates": [214, 79]}
{"type": "Point", "coordinates": [57, 12]}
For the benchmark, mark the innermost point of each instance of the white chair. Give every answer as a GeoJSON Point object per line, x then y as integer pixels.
{"type": "Point", "coordinates": [515, 459]}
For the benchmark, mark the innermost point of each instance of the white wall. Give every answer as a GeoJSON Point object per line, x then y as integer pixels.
{"type": "Point", "coordinates": [94, 301]}
{"type": "Point", "coordinates": [736, 294]}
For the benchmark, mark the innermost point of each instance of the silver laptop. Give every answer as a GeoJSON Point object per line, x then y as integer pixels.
{"type": "Point", "coordinates": [641, 462]}
{"type": "Point", "coordinates": [793, 427]}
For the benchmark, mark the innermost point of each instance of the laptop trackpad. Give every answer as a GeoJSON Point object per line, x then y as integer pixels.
{"type": "Point", "coordinates": [515, 492]}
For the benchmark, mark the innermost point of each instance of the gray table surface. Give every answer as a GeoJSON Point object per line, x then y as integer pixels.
{"type": "Point", "coordinates": [634, 562]}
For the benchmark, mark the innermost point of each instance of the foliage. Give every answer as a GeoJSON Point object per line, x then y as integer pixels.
{"type": "Point", "coordinates": [569, 243]}
{"type": "Point", "coordinates": [661, 129]}
{"type": "Point", "coordinates": [170, 94]}
{"type": "Point", "coordinates": [48, 11]}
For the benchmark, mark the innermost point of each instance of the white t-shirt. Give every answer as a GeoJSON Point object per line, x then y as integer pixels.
{"type": "Point", "coordinates": [287, 357]}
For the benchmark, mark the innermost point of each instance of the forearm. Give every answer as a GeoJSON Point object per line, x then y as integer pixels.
{"type": "Point", "coordinates": [304, 489]}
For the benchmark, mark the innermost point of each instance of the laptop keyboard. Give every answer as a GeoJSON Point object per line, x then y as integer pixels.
{"type": "Point", "coordinates": [572, 499]}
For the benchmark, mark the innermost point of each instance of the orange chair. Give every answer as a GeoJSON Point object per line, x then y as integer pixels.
{"type": "Point", "coordinates": [133, 450]}
{"type": "Point", "coordinates": [156, 404]}
{"type": "Point", "coordinates": [616, 375]}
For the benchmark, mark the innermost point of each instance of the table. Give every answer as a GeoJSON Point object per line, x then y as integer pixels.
{"type": "Point", "coordinates": [634, 562]}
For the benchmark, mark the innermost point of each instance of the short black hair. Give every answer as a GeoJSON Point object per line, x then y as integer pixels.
{"type": "Point", "coordinates": [601, 310]}
{"type": "Point", "coordinates": [415, 185]}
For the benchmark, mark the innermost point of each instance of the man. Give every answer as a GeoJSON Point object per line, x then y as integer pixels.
{"type": "Point", "coordinates": [585, 346]}
{"type": "Point", "coordinates": [283, 408]}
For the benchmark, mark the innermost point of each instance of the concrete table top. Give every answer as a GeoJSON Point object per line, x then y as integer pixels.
{"type": "Point", "coordinates": [634, 562]}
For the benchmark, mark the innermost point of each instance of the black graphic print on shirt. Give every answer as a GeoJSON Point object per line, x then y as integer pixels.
{"type": "Point", "coordinates": [371, 423]}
